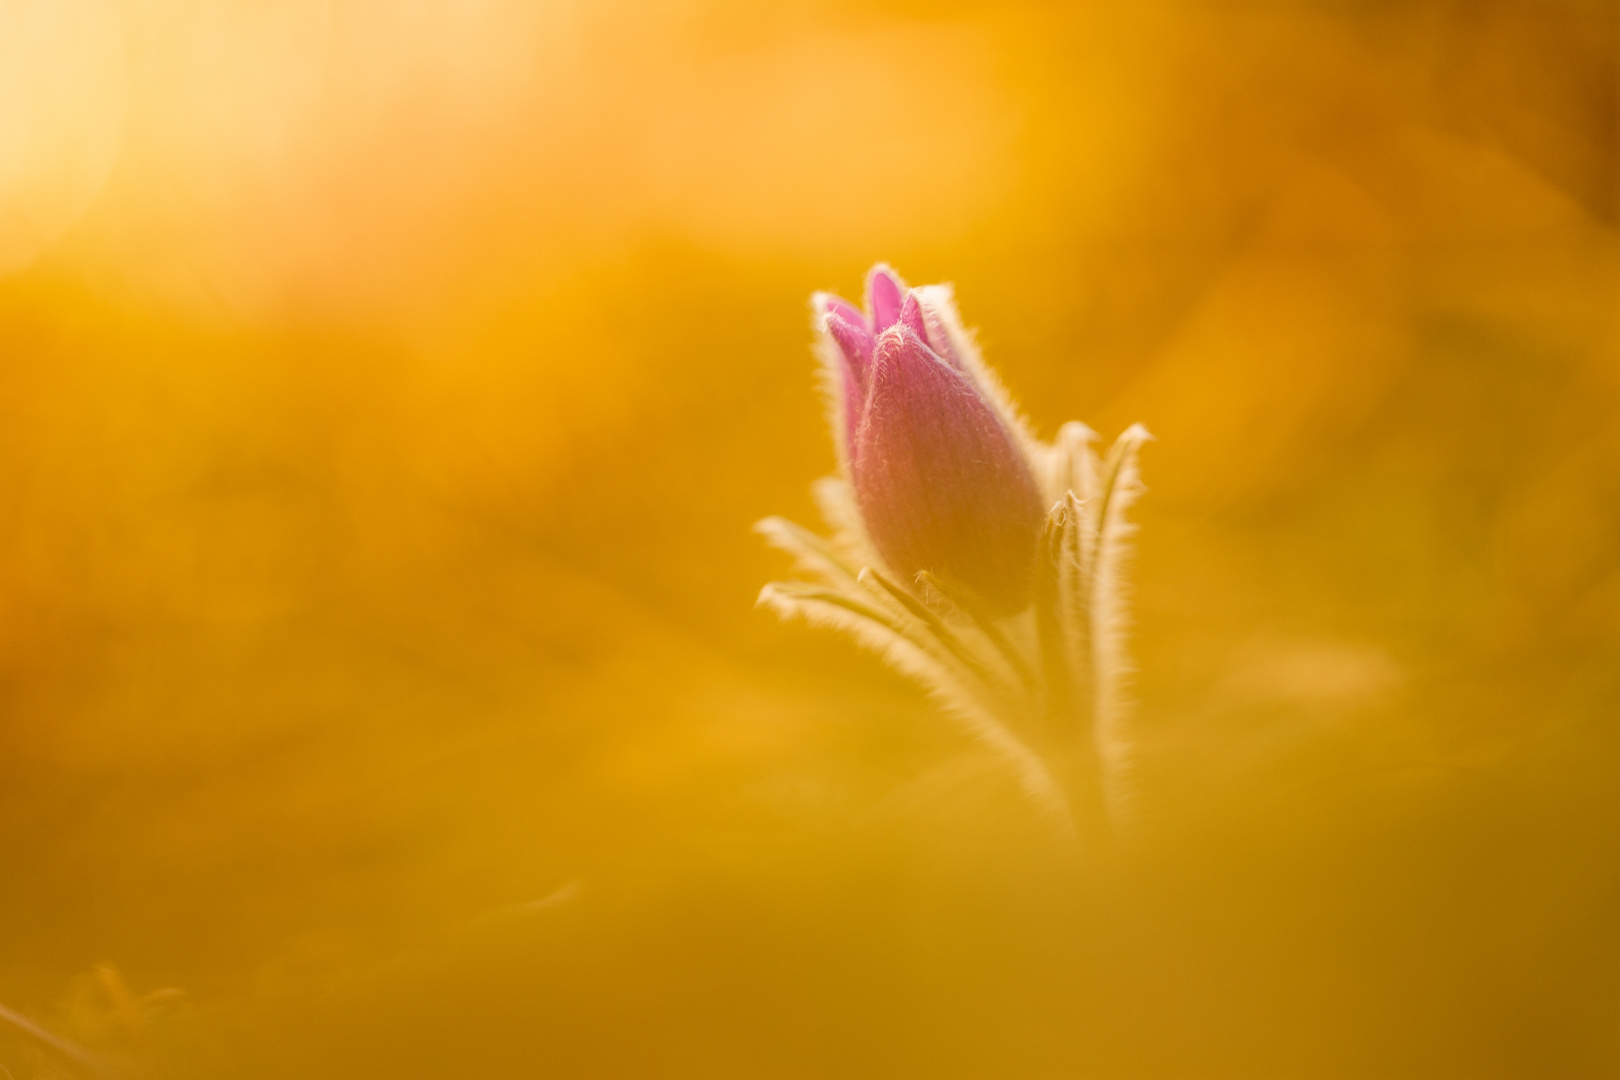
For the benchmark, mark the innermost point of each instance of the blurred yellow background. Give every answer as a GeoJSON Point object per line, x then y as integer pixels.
{"type": "Point", "coordinates": [387, 388]}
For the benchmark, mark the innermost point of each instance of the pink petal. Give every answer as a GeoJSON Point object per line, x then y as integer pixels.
{"type": "Point", "coordinates": [828, 304]}
{"type": "Point", "coordinates": [855, 353]}
{"type": "Point", "coordinates": [854, 341]}
{"type": "Point", "coordinates": [884, 292]}
{"type": "Point", "coordinates": [911, 317]}
{"type": "Point", "coordinates": [938, 335]}
{"type": "Point", "coordinates": [941, 483]}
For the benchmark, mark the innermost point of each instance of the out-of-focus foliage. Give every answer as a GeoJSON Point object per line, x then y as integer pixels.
{"type": "Point", "coordinates": [386, 392]}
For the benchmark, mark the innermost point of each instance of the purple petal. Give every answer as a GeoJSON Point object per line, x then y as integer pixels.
{"type": "Point", "coordinates": [884, 292]}
{"type": "Point", "coordinates": [941, 483]}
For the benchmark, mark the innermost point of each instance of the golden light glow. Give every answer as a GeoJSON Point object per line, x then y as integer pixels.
{"type": "Point", "coordinates": [387, 390]}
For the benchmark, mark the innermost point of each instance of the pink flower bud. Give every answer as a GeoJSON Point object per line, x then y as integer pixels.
{"type": "Point", "coordinates": [939, 478]}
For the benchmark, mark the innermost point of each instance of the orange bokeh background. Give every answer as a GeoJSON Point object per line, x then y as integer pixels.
{"type": "Point", "coordinates": [386, 393]}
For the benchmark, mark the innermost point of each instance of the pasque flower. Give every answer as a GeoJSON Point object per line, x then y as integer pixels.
{"type": "Point", "coordinates": [982, 562]}
{"type": "Point", "coordinates": [942, 483]}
